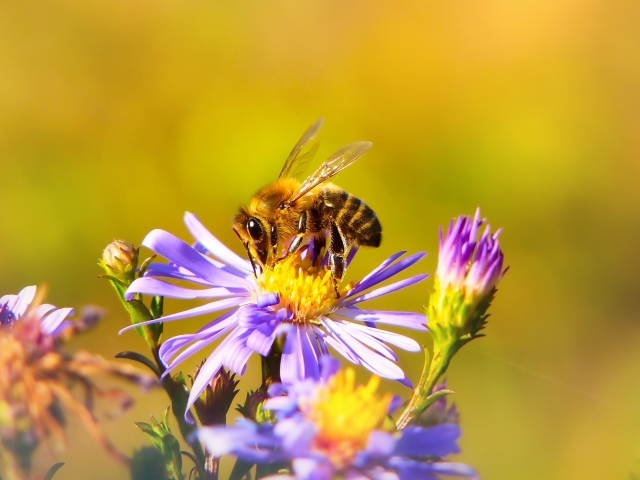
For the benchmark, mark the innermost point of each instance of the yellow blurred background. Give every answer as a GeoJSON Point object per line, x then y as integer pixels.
{"type": "Point", "coordinates": [118, 116]}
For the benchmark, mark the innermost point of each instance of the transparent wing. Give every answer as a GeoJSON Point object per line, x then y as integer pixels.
{"type": "Point", "coordinates": [334, 165]}
{"type": "Point", "coordinates": [297, 158]}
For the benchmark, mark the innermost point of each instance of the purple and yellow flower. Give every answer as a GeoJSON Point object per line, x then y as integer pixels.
{"type": "Point", "coordinates": [465, 283]}
{"type": "Point", "coordinates": [36, 380]}
{"type": "Point", "coordinates": [331, 428]}
{"type": "Point", "coordinates": [291, 301]}
{"type": "Point", "coordinates": [14, 308]}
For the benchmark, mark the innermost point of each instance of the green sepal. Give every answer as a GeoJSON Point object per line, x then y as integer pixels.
{"type": "Point", "coordinates": [240, 469]}
{"type": "Point", "coordinates": [52, 471]}
{"type": "Point", "coordinates": [138, 357]}
{"type": "Point", "coordinates": [145, 264]}
{"type": "Point", "coordinates": [154, 436]}
{"type": "Point", "coordinates": [430, 399]}
{"type": "Point", "coordinates": [172, 456]}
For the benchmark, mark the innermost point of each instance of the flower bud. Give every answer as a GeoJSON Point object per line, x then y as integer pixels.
{"type": "Point", "coordinates": [253, 408]}
{"type": "Point", "coordinates": [120, 259]}
{"type": "Point", "coordinates": [465, 283]}
{"type": "Point", "coordinates": [214, 402]}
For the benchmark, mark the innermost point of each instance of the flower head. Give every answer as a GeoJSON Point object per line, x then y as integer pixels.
{"type": "Point", "coordinates": [36, 378]}
{"type": "Point", "coordinates": [333, 427]}
{"type": "Point", "coordinates": [468, 272]}
{"type": "Point", "coordinates": [291, 301]}
{"type": "Point", "coordinates": [14, 308]}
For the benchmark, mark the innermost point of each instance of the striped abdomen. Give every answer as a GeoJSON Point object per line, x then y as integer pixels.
{"type": "Point", "coordinates": [356, 221]}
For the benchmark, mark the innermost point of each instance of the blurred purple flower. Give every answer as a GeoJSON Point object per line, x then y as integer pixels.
{"type": "Point", "coordinates": [295, 297]}
{"type": "Point", "coordinates": [329, 428]}
{"type": "Point", "coordinates": [13, 308]}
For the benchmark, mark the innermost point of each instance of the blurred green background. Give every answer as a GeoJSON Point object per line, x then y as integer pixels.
{"type": "Point", "coordinates": [117, 116]}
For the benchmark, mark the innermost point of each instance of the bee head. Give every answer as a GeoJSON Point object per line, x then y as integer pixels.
{"type": "Point", "coordinates": [254, 233]}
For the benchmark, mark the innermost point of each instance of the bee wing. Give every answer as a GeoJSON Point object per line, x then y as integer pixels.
{"type": "Point", "coordinates": [308, 139]}
{"type": "Point", "coordinates": [334, 165]}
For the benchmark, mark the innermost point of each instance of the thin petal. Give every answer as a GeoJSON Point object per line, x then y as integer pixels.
{"type": "Point", "coordinates": [401, 341]}
{"type": "Point", "coordinates": [378, 292]}
{"type": "Point", "coordinates": [412, 320]}
{"type": "Point", "coordinates": [214, 246]}
{"type": "Point", "coordinates": [153, 286]}
{"type": "Point", "coordinates": [25, 297]}
{"type": "Point", "coordinates": [178, 252]}
{"type": "Point", "coordinates": [369, 359]}
{"type": "Point", "coordinates": [201, 310]}
{"type": "Point", "coordinates": [418, 441]}
{"type": "Point", "coordinates": [53, 320]}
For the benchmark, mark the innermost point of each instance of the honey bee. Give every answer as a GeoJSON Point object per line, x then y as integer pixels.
{"type": "Point", "coordinates": [283, 213]}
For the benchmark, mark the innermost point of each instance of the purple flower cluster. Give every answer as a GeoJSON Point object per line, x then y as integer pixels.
{"type": "Point", "coordinates": [297, 437]}
{"type": "Point", "coordinates": [464, 263]}
{"type": "Point", "coordinates": [257, 312]}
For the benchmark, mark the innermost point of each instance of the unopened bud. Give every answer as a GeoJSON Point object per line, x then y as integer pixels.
{"type": "Point", "coordinates": [468, 272]}
{"type": "Point", "coordinates": [120, 259]}
{"type": "Point", "coordinates": [215, 401]}
{"type": "Point", "coordinates": [253, 408]}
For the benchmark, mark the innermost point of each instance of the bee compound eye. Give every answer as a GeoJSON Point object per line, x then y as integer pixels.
{"type": "Point", "coordinates": [254, 228]}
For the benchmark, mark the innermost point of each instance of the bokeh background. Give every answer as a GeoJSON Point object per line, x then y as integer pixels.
{"type": "Point", "coordinates": [118, 116]}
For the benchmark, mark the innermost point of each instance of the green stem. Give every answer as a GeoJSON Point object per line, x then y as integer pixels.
{"type": "Point", "coordinates": [442, 356]}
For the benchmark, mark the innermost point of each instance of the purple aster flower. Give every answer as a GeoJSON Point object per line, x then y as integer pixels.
{"type": "Point", "coordinates": [332, 428]}
{"type": "Point", "coordinates": [292, 299]}
{"type": "Point", "coordinates": [468, 272]}
{"type": "Point", "coordinates": [14, 308]}
{"type": "Point", "coordinates": [464, 263]}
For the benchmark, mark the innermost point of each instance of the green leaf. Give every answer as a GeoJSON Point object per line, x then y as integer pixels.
{"type": "Point", "coordinates": [151, 432]}
{"type": "Point", "coordinates": [52, 471]}
{"type": "Point", "coordinates": [240, 469]}
{"type": "Point", "coordinates": [138, 357]}
{"type": "Point", "coordinates": [172, 456]}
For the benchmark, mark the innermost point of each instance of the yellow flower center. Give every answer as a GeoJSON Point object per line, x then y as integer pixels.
{"type": "Point", "coordinates": [345, 415]}
{"type": "Point", "coordinates": [305, 290]}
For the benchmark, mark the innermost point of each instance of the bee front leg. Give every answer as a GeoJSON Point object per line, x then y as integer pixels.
{"type": "Point", "coordinates": [302, 230]}
{"type": "Point", "coordinates": [336, 257]}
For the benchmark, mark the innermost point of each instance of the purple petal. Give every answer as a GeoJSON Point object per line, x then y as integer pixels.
{"type": "Point", "coordinates": [390, 271]}
{"type": "Point", "coordinates": [235, 353]}
{"type": "Point", "coordinates": [380, 444]}
{"type": "Point", "coordinates": [267, 300]}
{"type": "Point", "coordinates": [178, 252]}
{"type": "Point", "coordinates": [153, 286]}
{"type": "Point", "coordinates": [261, 338]}
{"type": "Point", "coordinates": [311, 469]}
{"type": "Point", "coordinates": [371, 360]}
{"type": "Point", "coordinates": [299, 357]}
{"type": "Point", "coordinates": [368, 340]}
{"type": "Point", "coordinates": [169, 270]}
{"type": "Point", "coordinates": [214, 246]}
{"type": "Point", "coordinates": [25, 297]}
{"type": "Point", "coordinates": [201, 310]}
{"type": "Point", "coordinates": [418, 441]}
{"type": "Point", "coordinates": [383, 290]}
{"type": "Point", "coordinates": [415, 321]}
{"type": "Point", "coordinates": [405, 343]}
{"type": "Point", "coordinates": [53, 320]}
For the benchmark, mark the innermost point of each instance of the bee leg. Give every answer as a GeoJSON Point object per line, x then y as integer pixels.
{"type": "Point", "coordinates": [302, 230]}
{"type": "Point", "coordinates": [336, 257]}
